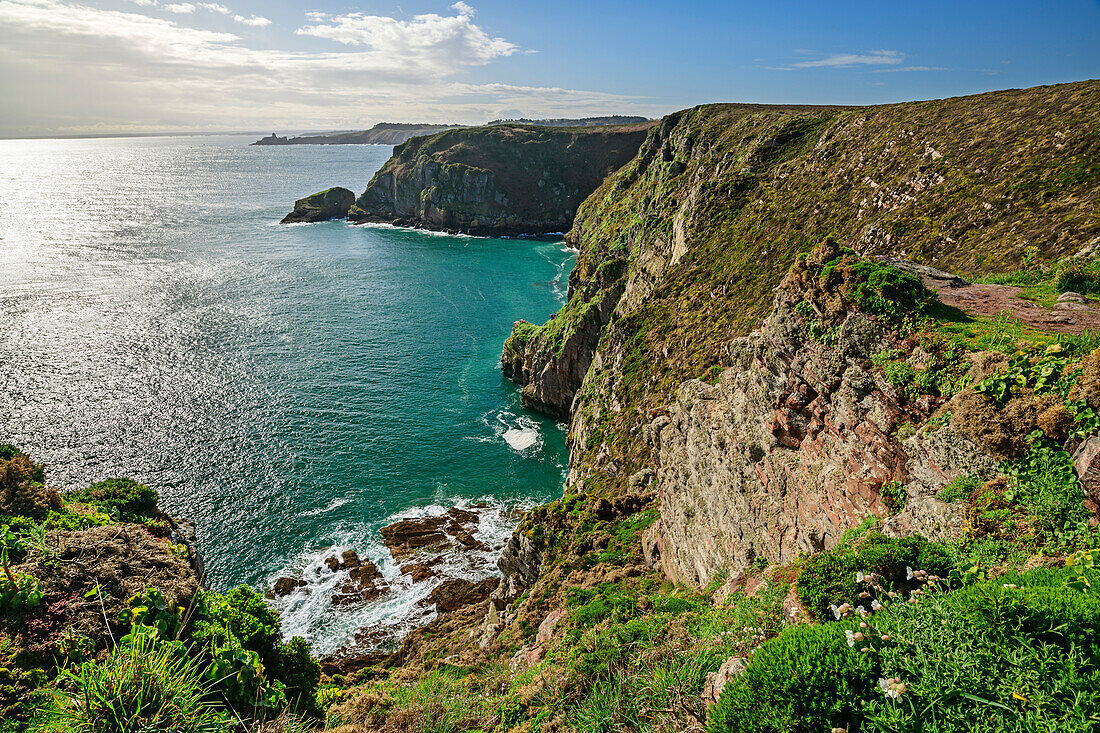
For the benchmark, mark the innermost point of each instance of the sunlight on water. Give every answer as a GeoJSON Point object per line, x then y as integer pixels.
{"type": "Point", "coordinates": [289, 389]}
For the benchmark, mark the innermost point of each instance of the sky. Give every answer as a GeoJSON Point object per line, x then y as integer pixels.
{"type": "Point", "coordinates": [132, 66]}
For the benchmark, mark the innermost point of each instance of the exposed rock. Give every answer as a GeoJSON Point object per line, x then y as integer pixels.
{"type": "Point", "coordinates": [789, 449]}
{"type": "Point", "coordinates": [285, 586]}
{"type": "Point", "coordinates": [519, 566]}
{"type": "Point", "coordinates": [364, 581]}
{"type": "Point", "coordinates": [455, 593]}
{"type": "Point", "coordinates": [716, 681]}
{"type": "Point", "coordinates": [527, 656]}
{"type": "Point", "coordinates": [546, 628]}
{"type": "Point", "coordinates": [332, 203]}
{"type": "Point", "coordinates": [409, 535]}
{"type": "Point", "coordinates": [1087, 461]}
{"type": "Point", "coordinates": [1072, 297]}
{"type": "Point", "coordinates": [421, 571]}
{"type": "Point", "coordinates": [504, 179]}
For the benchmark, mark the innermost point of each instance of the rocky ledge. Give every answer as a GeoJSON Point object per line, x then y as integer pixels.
{"type": "Point", "coordinates": [332, 203]}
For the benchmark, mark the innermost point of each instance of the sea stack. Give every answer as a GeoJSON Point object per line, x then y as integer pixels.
{"type": "Point", "coordinates": [322, 206]}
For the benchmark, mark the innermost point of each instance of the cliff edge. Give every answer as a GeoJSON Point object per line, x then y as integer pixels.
{"type": "Point", "coordinates": [498, 180]}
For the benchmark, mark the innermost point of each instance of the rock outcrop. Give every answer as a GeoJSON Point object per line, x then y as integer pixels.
{"type": "Point", "coordinates": [332, 203]}
{"type": "Point", "coordinates": [791, 446]}
{"type": "Point", "coordinates": [499, 180]}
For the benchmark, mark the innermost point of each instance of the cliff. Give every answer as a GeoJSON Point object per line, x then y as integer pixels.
{"type": "Point", "coordinates": [384, 133]}
{"type": "Point", "coordinates": [702, 225]}
{"type": "Point", "coordinates": [499, 180]}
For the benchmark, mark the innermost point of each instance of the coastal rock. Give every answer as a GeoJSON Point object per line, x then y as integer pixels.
{"type": "Point", "coordinates": [519, 566]}
{"type": "Point", "coordinates": [332, 203]}
{"type": "Point", "coordinates": [285, 586]}
{"type": "Point", "coordinates": [453, 594]}
{"type": "Point", "coordinates": [790, 448]}
{"type": "Point", "coordinates": [410, 535]}
{"type": "Point", "coordinates": [364, 581]}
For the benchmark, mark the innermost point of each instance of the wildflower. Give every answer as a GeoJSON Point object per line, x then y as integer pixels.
{"type": "Point", "coordinates": [908, 573]}
{"type": "Point", "coordinates": [865, 649]}
{"type": "Point", "coordinates": [1009, 585]}
{"type": "Point", "coordinates": [861, 611]}
{"type": "Point", "coordinates": [885, 637]}
{"type": "Point", "coordinates": [875, 605]}
{"type": "Point", "coordinates": [835, 610]}
{"type": "Point", "coordinates": [912, 600]}
{"type": "Point", "coordinates": [892, 687]}
{"type": "Point", "coordinates": [863, 624]}
{"type": "Point", "coordinates": [865, 594]}
{"type": "Point", "coordinates": [853, 636]}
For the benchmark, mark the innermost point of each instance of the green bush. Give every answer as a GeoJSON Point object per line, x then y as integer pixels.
{"type": "Point", "coordinates": [960, 489]}
{"type": "Point", "coordinates": [805, 679]}
{"type": "Point", "coordinates": [1019, 653]}
{"type": "Point", "coordinates": [829, 578]}
{"type": "Point", "coordinates": [236, 635]}
{"type": "Point", "coordinates": [147, 685]}
{"type": "Point", "coordinates": [1077, 276]}
{"type": "Point", "coordinates": [120, 497]}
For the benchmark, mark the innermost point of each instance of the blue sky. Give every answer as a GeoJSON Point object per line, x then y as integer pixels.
{"type": "Point", "coordinates": [154, 65]}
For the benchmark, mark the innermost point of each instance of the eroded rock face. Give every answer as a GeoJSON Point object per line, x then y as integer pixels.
{"type": "Point", "coordinates": [452, 594]}
{"type": "Point", "coordinates": [790, 448]}
{"type": "Point", "coordinates": [498, 180]}
{"type": "Point", "coordinates": [519, 566]}
{"type": "Point", "coordinates": [329, 204]}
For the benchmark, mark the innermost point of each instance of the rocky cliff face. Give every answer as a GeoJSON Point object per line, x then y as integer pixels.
{"type": "Point", "coordinates": [499, 180]}
{"type": "Point", "coordinates": [793, 445]}
{"type": "Point", "coordinates": [680, 253]}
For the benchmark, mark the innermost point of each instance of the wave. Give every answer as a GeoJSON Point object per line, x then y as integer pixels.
{"type": "Point", "coordinates": [309, 612]}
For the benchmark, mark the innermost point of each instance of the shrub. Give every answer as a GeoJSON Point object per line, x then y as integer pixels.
{"type": "Point", "coordinates": [120, 497]}
{"type": "Point", "coordinates": [805, 679]}
{"type": "Point", "coordinates": [1077, 276]}
{"type": "Point", "coordinates": [1018, 653]}
{"type": "Point", "coordinates": [829, 578]}
{"type": "Point", "coordinates": [147, 685]}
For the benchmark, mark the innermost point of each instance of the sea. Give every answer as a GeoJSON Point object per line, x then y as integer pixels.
{"type": "Point", "coordinates": [289, 389]}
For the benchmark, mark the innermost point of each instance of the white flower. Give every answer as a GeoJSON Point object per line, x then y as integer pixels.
{"type": "Point", "coordinates": [860, 577]}
{"type": "Point", "coordinates": [835, 610]}
{"type": "Point", "coordinates": [850, 637]}
{"type": "Point", "coordinates": [908, 573]}
{"type": "Point", "coordinates": [891, 687]}
{"type": "Point", "coordinates": [861, 611]}
{"type": "Point", "coordinates": [875, 605]}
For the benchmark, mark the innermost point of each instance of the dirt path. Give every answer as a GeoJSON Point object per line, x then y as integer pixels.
{"type": "Point", "coordinates": [1074, 315]}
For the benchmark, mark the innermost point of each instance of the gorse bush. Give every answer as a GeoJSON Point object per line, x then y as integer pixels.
{"type": "Point", "coordinates": [830, 578]}
{"type": "Point", "coordinates": [122, 498]}
{"type": "Point", "coordinates": [805, 679]}
{"type": "Point", "coordinates": [146, 685]}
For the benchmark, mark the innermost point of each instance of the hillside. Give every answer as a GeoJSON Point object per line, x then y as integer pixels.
{"type": "Point", "coordinates": [499, 180]}
{"type": "Point", "coordinates": [384, 133]}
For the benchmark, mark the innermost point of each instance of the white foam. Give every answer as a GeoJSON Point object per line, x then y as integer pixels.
{"type": "Point", "coordinates": [429, 232]}
{"type": "Point", "coordinates": [336, 504]}
{"type": "Point", "coordinates": [308, 611]}
{"type": "Point", "coordinates": [521, 438]}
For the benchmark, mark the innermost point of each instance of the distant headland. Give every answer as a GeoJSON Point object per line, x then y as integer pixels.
{"type": "Point", "coordinates": [396, 133]}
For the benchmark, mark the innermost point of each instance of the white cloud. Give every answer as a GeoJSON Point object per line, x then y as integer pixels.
{"type": "Point", "coordinates": [216, 8]}
{"type": "Point", "coordinates": [913, 68]}
{"type": "Point", "coordinates": [843, 60]}
{"type": "Point", "coordinates": [443, 42]}
{"type": "Point", "coordinates": [144, 3]}
{"type": "Point", "coordinates": [180, 8]}
{"type": "Point", "coordinates": [254, 20]}
{"type": "Point", "coordinates": [69, 67]}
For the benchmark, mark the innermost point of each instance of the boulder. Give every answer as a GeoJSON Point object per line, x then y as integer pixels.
{"type": "Point", "coordinates": [409, 535]}
{"type": "Point", "coordinates": [322, 206]}
{"type": "Point", "coordinates": [285, 586]}
{"type": "Point", "coordinates": [716, 681]}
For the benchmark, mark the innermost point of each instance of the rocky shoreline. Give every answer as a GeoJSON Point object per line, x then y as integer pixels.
{"type": "Point", "coordinates": [440, 558]}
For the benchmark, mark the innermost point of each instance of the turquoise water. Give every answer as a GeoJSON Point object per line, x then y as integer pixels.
{"type": "Point", "coordinates": [286, 388]}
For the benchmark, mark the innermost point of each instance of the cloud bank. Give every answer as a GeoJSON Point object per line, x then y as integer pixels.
{"type": "Point", "coordinates": [74, 67]}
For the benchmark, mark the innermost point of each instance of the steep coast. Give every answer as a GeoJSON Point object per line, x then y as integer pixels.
{"type": "Point", "coordinates": [499, 180]}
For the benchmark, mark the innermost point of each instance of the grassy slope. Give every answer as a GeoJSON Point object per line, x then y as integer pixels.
{"type": "Point", "coordinates": [966, 184]}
